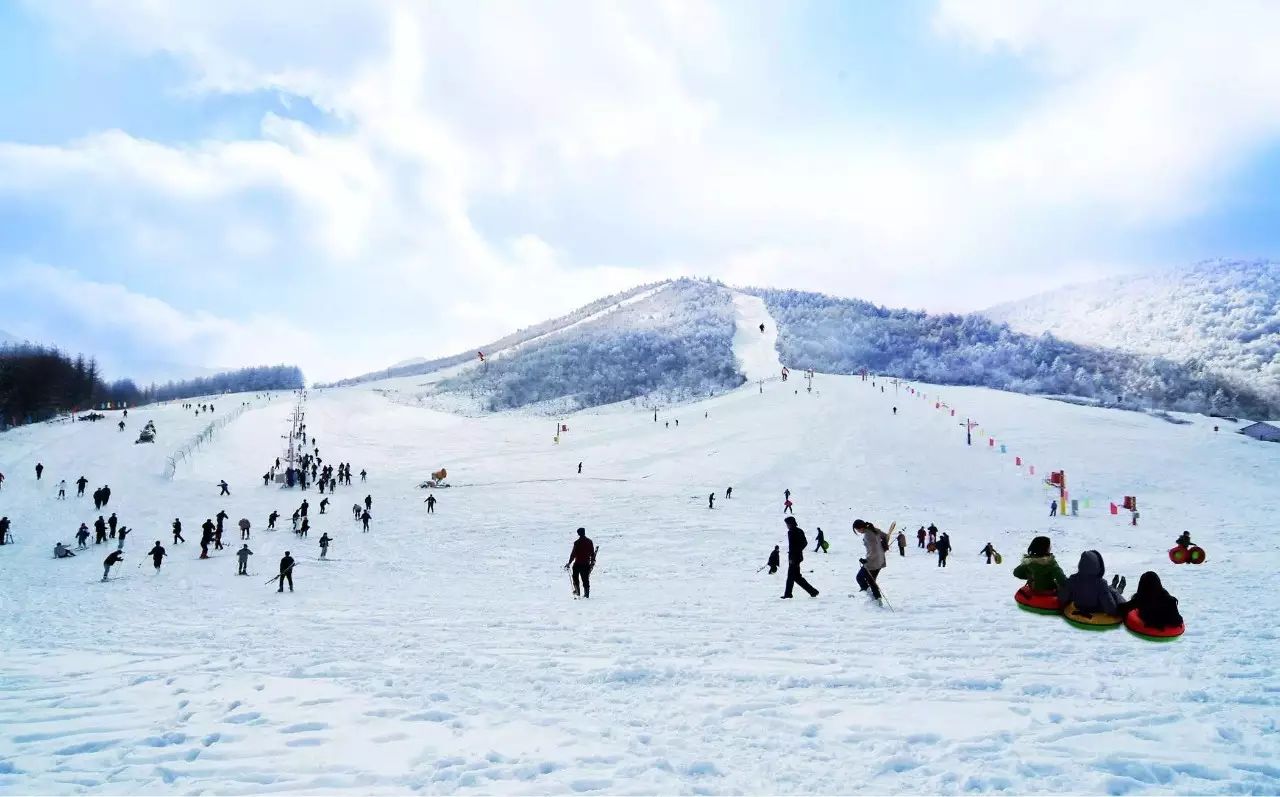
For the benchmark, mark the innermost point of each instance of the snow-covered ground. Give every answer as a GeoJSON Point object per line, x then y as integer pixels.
{"type": "Point", "coordinates": [443, 653]}
{"type": "Point", "coordinates": [756, 351]}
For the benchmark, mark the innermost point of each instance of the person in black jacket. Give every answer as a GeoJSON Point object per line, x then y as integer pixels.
{"type": "Point", "coordinates": [157, 553]}
{"type": "Point", "coordinates": [775, 560]}
{"type": "Point", "coordinates": [177, 532]}
{"type": "Point", "coordinates": [286, 572]}
{"type": "Point", "coordinates": [943, 548]}
{"type": "Point", "coordinates": [796, 543]}
{"type": "Point", "coordinates": [988, 551]}
{"type": "Point", "coordinates": [1156, 607]}
{"type": "Point", "coordinates": [110, 562]}
{"type": "Point", "coordinates": [100, 529]}
{"type": "Point", "coordinates": [206, 538]}
{"type": "Point", "coordinates": [821, 539]}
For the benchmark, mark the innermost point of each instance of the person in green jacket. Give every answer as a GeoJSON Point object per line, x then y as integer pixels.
{"type": "Point", "coordinates": [1039, 569]}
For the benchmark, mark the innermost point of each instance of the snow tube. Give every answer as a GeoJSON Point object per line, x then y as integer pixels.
{"type": "Point", "coordinates": [825, 546]}
{"type": "Point", "coordinates": [999, 559]}
{"type": "Point", "coordinates": [1090, 621]}
{"type": "Point", "coordinates": [1179, 555]}
{"type": "Point", "coordinates": [1135, 626]}
{"type": "Point", "coordinates": [1195, 555]}
{"type": "Point", "coordinates": [1037, 602]}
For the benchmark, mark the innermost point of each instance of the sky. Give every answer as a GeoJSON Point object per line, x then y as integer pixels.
{"type": "Point", "coordinates": [193, 186]}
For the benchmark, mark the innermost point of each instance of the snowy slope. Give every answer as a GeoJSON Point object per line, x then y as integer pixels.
{"type": "Point", "coordinates": [1225, 313]}
{"type": "Point", "coordinates": [756, 352]}
{"type": "Point", "coordinates": [443, 654]}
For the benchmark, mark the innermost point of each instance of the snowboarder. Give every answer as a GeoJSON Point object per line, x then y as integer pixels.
{"type": "Point", "coordinates": [431, 504]}
{"type": "Point", "coordinates": [875, 541]}
{"type": "Point", "coordinates": [39, 471]}
{"type": "Point", "coordinates": [82, 537]}
{"type": "Point", "coordinates": [81, 483]}
{"type": "Point", "coordinates": [728, 493]}
{"type": "Point", "coordinates": [775, 560]}
{"type": "Point", "coordinates": [271, 519]}
{"type": "Point", "coordinates": [1053, 508]}
{"type": "Point", "coordinates": [1135, 517]}
{"type": "Point", "coordinates": [61, 551]}
{"type": "Point", "coordinates": [902, 544]}
{"type": "Point", "coordinates": [222, 485]}
{"type": "Point", "coordinates": [920, 535]}
{"type": "Point", "coordinates": [157, 553]}
{"type": "Point", "coordinates": [243, 555]}
{"type": "Point", "coordinates": [110, 562]}
{"type": "Point", "coordinates": [177, 532]}
{"type": "Point", "coordinates": [943, 548]}
{"type": "Point", "coordinates": [582, 558]}
{"type": "Point", "coordinates": [244, 528]}
{"type": "Point", "coordinates": [711, 501]}
{"type": "Point", "coordinates": [364, 519]}
{"type": "Point", "coordinates": [286, 572]}
{"type": "Point", "coordinates": [325, 539]}
{"type": "Point", "coordinates": [822, 542]}
{"type": "Point", "coordinates": [62, 490]}
{"type": "Point", "coordinates": [988, 551]}
{"type": "Point", "coordinates": [796, 543]}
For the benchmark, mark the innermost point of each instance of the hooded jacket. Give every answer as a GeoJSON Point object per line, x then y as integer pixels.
{"type": "Point", "coordinates": [1088, 589]}
{"type": "Point", "coordinates": [1040, 572]}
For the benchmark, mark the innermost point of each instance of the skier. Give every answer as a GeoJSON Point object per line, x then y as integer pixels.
{"type": "Point", "coordinates": [82, 537]}
{"type": "Point", "coordinates": [875, 541]}
{"type": "Point", "coordinates": [431, 504]}
{"type": "Point", "coordinates": [177, 532]}
{"type": "Point", "coordinates": [364, 519]}
{"type": "Point", "coordinates": [302, 510]}
{"type": "Point", "coordinates": [902, 544]}
{"type": "Point", "coordinates": [325, 539]}
{"type": "Point", "coordinates": [206, 538]}
{"type": "Point", "coordinates": [943, 548]}
{"type": "Point", "coordinates": [920, 537]}
{"type": "Point", "coordinates": [796, 543]}
{"type": "Point", "coordinates": [728, 493]}
{"type": "Point", "coordinates": [989, 551]}
{"type": "Point", "coordinates": [286, 572]}
{"type": "Point", "coordinates": [363, 475]}
{"type": "Point", "coordinates": [582, 557]}
{"type": "Point", "coordinates": [39, 471]}
{"type": "Point", "coordinates": [120, 535]}
{"type": "Point", "coordinates": [324, 505]}
{"type": "Point", "coordinates": [775, 560]}
{"type": "Point", "coordinates": [243, 555]}
{"type": "Point", "coordinates": [62, 490]}
{"type": "Point", "coordinates": [110, 562]}
{"type": "Point", "coordinates": [244, 528]}
{"type": "Point", "coordinates": [61, 551]}
{"type": "Point", "coordinates": [822, 542]}
{"type": "Point", "coordinates": [222, 485]}
{"type": "Point", "coordinates": [1053, 508]}
{"type": "Point", "coordinates": [157, 553]}
{"type": "Point", "coordinates": [100, 531]}
{"type": "Point", "coordinates": [111, 524]}
{"type": "Point", "coordinates": [711, 501]}
{"type": "Point", "coordinates": [4, 530]}
{"type": "Point", "coordinates": [266, 478]}
{"type": "Point", "coordinates": [271, 519]}
{"type": "Point", "coordinates": [786, 507]}
{"type": "Point", "coordinates": [81, 483]}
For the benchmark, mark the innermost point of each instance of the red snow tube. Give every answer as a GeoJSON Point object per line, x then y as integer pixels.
{"type": "Point", "coordinates": [1179, 555]}
{"type": "Point", "coordinates": [1195, 555]}
{"type": "Point", "coordinates": [1136, 627]}
{"type": "Point", "coordinates": [1038, 601]}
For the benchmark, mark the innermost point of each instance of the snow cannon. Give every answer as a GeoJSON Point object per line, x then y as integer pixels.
{"type": "Point", "coordinates": [1139, 629]}
{"type": "Point", "coordinates": [1090, 621]}
{"type": "Point", "coordinates": [1037, 601]}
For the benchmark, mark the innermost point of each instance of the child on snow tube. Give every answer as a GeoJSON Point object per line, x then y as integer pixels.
{"type": "Point", "coordinates": [1088, 589]}
{"type": "Point", "coordinates": [1042, 574]}
{"type": "Point", "coordinates": [1156, 608]}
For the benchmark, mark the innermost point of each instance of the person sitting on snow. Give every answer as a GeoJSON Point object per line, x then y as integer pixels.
{"type": "Point", "coordinates": [1039, 568]}
{"type": "Point", "coordinates": [1088, 589]}
{"type": "Point", "coordinates": [1156, 607]}
{"type": "Point", "coordinates": [61, 551]}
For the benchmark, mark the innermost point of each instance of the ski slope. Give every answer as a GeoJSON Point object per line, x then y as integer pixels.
{"type": "Point", "coordinates": [755, 351]}
{"type": "Point", "coordinates": [444, 654]}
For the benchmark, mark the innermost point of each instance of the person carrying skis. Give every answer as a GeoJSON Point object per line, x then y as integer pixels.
{"type": "Point", "coordinates": [943, 548]}
{"type": "Point", "coordinates": [920, 535]}
{"type": "Point", "coordinates": [796, 543]}
{"type": "Point", "coordinates": [775, 560]}
{"type": "Point", "coordinates": [157, 553]}
{"type": "Point", "coordinates": [286, 572]}
{"type": "Point", "coordinates": [989, 551]}
{"type": "Point", "coordinates": [222, 485]}
{"type": "Point", "coordinates": [822, 542]}
{"type": "Point", "coordinates": [243, 555]}
{"type": "Point", "coordinates": [875, 541]}
{"type": "Point", "coordinates": [431, 504]}
{"type": "Point", "coordinates": [325, 539]}
{"type": "Point", "coordinates": [82, 537]}
{"type": "Point", "coordinates": [364, 519]}
{"type": "Point", "coordinates": [711, 501]}
{"type": "Point", "coordinates": [271, 519]}
{"type": "Point", "coordinates": [244, 528]}
{"type": "Point", "coordinates": [110, 562]}
{"type": "Point", "coordinates": [582, 557]}
{"type": "Point", "coordinates": [177, 532]}
{"type": "Point", "coordinates": [902, 544]}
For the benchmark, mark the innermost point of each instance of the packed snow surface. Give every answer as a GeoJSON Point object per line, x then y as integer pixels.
{"type": "Point", "coordinates": [755, 350]}
{"type": "Point", "coordinates": [444, 653]}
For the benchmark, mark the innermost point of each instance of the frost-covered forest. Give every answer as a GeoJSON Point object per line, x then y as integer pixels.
{"type": "Point", "coordinates": [260, 377]}
{"type": "Point", "coordinates": [845, 335]}
{"type": "Point", "coordinates": [677, 342]}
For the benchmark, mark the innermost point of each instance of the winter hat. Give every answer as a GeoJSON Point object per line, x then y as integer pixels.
{"type": "Point", "coordinates": [582, 532]}
{"type": "Point", "coordinates": [1038, 547]}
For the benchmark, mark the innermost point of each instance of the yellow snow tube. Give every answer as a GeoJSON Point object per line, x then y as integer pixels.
{"type": "Point", "coordinates": [1090, 621]}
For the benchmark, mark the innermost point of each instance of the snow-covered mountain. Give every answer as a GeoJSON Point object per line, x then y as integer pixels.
{"type": "Point", "coordinates": [685, 339]}
{"type": "Point", "coordinates": [1223, 314]}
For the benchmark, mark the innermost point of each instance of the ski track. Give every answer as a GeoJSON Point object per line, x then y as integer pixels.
{"type": "Point", "coordinates": [443, 654]}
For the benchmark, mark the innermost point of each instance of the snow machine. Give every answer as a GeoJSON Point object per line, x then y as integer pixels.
{"type": "Point", "coordinates": [1090, 621]}
{"type": "Point", "coordinates": [1182, 554]}
{"type": "Point", "coordinates": [1037, 601]}
{"type": "Point", "coordinates": [1137, 628]}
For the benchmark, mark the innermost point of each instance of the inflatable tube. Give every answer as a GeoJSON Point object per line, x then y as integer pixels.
{"type": "Point", "coordinates": [1195, 555]}
{"type": "Point", "coordinates": [1095, 621]}
{"type": "Point", "coordinates": [999, 559]}
{"type": "Point", "coordinates": [1179, 555]}
{"type": "Point", "coordinates": [1135, 626]}
{"type": "Point", "coordinates": [1037, 602]}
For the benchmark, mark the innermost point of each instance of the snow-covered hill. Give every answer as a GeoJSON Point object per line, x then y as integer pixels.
{"type": "Point", "coordinates": [443, 653]}
{"type": "Point", "coordinates": [1225, 314]}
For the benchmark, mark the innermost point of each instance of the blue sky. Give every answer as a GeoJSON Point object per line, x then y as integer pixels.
{"type": "Point", "coordinates": [194, 186]}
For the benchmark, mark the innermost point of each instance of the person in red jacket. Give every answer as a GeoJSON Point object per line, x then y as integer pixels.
{"type": "Point", "coordinates": [581, 559]}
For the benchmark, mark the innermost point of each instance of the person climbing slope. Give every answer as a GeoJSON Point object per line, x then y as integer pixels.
{"type": "Point", "coordinates": [156, 553]}
{"type": "Point", "coordinates": [943, 548]}
{"type": "Point", "coordinates": [796, 544]}
{"type": "Point", "coordinates": [874, 541]}
{"type": "Point", "coordinates": [775, 560]}
{"type": "Point", "coordinates": [582, 558]}
{"type": "Point", "coordinates": [902, 544]}
{"type": "Point", "coordinates": [989, 551]}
